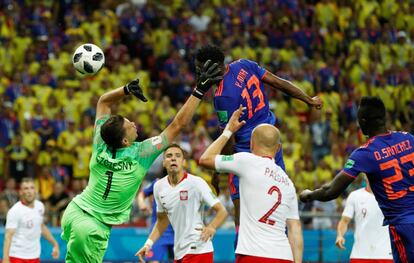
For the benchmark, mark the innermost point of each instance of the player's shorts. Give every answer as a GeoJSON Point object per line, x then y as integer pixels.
{"type": "Point", "coordinates": [22, 260]}
{"type": "Point", "coordinates": [87, 237]}
{"type": "Point", "coordinates": [161, 251]}
{"type": "Point", "coordinates": [234, 179]}
{"type": "Point", "coordinates": [197, 258]}
{"type": "Point", "coordinates": [402, 243]}
{"type": "Point", "coordinates": [364, 260]}
{"type": "Point", "coordinates": [252, 259]}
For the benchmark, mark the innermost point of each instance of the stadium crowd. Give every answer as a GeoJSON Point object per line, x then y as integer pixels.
{"type": "Point", "coordinates": [339, 50]}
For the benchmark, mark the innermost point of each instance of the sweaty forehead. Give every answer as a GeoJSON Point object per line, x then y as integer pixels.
{"type": "Point", "coordinates": [173, 150]}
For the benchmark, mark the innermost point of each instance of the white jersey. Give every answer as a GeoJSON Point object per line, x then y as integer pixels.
{"type": "Point", "coordinates": [25, 243]}
{"type": "Point", "coordinates": [267, 199]}
{"type": "Point", "coordinates": [371, 238]}
{"type": "Point", "coordinates": [183, 204]}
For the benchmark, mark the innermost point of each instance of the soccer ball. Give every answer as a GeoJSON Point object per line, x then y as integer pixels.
{"type": "Point", "coordinates": [88, 59]}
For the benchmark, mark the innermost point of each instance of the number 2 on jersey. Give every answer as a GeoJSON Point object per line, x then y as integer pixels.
{"type": "Point", "coordinates": [108, 184]}
{"type": "Point", "coordinates": [253, 81]}
{"type": "Point", "coordinates": [265, 219]}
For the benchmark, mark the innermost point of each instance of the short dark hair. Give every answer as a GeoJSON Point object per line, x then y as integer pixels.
{"type": "Point", "coordinates": [372, 109]}
{"type": "Point", "coordinates": [112, 131]}
{"type": "Point", "coordinates": [214, 53]}
{"type": "Point", "coordinates": [26, 180]}
{"type": "Point", "coordinates": [175, 145]}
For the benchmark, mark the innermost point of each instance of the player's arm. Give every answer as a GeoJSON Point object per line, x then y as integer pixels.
{"type": "Point", "coordinates": [295, 237]}
{"type": "Point", "coordinates": [208, 158]}
{"type": "Point", "coordinates": [49, 237]}
{"type": "Point", "coordinates": [7, 243]}
{"type": "Point", "coordinates": [141, 202]}
{"type": "Point", "coordinates": [209, 231]}
{"type": "Point", "coordinates": [341, 230]}
{"type": "Point", "coordinates": [291, 89]}
{"type": "Point", "coordinates": [106, 101]}
{"type": "Point", "coordinates": [328, 191]}
{"type": "Point", "coordinates": [208, 76]}
{"type": "Point", "coordinates": [159, 228]}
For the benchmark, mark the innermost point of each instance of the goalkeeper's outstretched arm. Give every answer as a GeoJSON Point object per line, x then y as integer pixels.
{"type": "Point", "coordinates": [106, 101]}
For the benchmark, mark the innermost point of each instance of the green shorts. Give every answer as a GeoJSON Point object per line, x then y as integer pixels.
{"type": "Point", "coordinates": [87, 237]}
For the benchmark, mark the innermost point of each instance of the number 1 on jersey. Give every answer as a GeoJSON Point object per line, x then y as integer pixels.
{"type": "Point", "coordinates": [265, 219]}
{"type": "Point", "coordinates": [108, 184]}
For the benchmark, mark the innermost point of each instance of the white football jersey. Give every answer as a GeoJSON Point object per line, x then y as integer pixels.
{"type": "Point", "coordinates": [371, 238]}
{"type": "Point", "coordinates": [183, 204]}
{"type": "Point", "coordinates": [267, 199]}
{"type": "Point", "coordinates": [25, 243]}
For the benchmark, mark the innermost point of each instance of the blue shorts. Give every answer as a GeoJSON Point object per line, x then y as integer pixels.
{"type": "Point", "coordinates": [161, 251]}
{"type": "Point", "coordinates": [234, 179]}
{"type": "Point", "coordinates": [402, 243]}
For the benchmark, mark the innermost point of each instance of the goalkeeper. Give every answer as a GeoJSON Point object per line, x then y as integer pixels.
{"type": "Point", "coordinates": [117, 167]}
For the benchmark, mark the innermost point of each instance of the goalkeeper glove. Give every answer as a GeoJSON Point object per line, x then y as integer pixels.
{"type": "Point", "coordinates": [134, 89]}
{"type": "Point", "coordinates": [206, 77]}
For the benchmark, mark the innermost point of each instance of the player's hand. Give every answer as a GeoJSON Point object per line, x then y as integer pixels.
{"type": "Point", "coordinates": [144, 208]}
{"type": "Point", "coordinates": [340, 242]}
{"type": "Point", "coordinates": [316, 102]}
{"type": "Point", "coordinates": [207, 233]}
{"type": "Point", "coordinates": [305, 195]}
{"type": "Point", "coordinates": [55, 252]}
{"type": "Point", "coordinates": [234, 123]}
{"type": "Point", "coordinates": [143, 252]}
{"type": "Point", "coordinates": [134, 89]}
{"type": "Point", "coordinates": [206, 77]}
{"type": "Point", "coordinates": [6, 259]}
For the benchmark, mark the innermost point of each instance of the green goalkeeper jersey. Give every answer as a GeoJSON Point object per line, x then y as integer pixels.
{"type": "Point", "coordinates": [115, 179]}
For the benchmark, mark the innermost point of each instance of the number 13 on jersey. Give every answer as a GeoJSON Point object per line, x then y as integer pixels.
{"type": "Point", "coordinates": [253, 106]}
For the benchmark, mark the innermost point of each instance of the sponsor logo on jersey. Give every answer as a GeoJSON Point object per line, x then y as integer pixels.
{"type": "Point", "coordinates": [184, 195]}
{"type": "Point", "coordinates": [349, 164]}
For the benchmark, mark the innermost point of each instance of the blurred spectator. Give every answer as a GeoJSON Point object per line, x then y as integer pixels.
{"type": "Point", "coordinates": [57, 203]}
{"type": "Point", "coordinates": [323, 210]}
{"type": "Point", "coordinates": [320, 130]}
{"type": "Point", "coordinates": [59, 173]}
{"type": "Point", "coordinates": [44, 183]}
{"type": "Point", "coordinates": [67, 141]}
{"type": "Point", "coordinates": [10, 193]}
{"type": "Point", "coordinates": [82, 154]}
{"type": "Point", "coordinates": [9, 124]}
{"type": "Point", "coordinates": [198, 21]}
{"type": "Point", "coordinates": [4, 208]}
{"type": "Point", "coordinates": [44, 158]}
{"type": "Point", "coordinates": [17, 160]}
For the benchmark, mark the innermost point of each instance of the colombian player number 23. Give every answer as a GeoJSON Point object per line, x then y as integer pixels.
{"type": "Point", "coordinates": [397, 176]}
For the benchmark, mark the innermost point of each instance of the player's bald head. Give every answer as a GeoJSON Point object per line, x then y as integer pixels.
{"type": "Point", "coordinates": [266, 137]}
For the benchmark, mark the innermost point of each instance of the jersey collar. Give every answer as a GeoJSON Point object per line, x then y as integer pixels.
{"type": "Point", "coordinates": [267, 156]}
{"type": "Point", "coordinates": [182, 179]}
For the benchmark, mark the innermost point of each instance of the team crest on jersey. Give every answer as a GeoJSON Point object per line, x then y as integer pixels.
{"type": "Point", "coordinates": [349, 164]}
{"type": "Point", "coordinates": [184, 195]}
